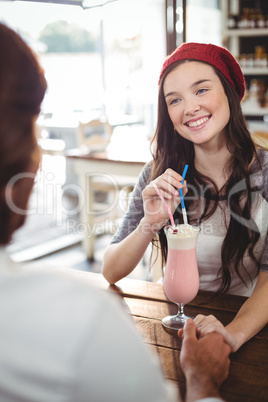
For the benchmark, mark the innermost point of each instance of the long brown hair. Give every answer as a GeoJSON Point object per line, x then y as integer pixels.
{"type": "Point", "coordinates": [170, 150]}
{"type": "Point", "coordinates": [22, 89]}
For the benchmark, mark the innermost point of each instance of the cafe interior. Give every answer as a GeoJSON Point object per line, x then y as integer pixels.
{"type": "Point", "coordinates": [102, 60]}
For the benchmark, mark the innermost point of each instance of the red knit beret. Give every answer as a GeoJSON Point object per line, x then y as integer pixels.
{"type": "Point", "coordinates": [217, 56]}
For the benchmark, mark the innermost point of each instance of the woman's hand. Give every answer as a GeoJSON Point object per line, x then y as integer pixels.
{"type": "Point", "coordinates": [209, 324]}
{"type": "Point", "coordinates": [155, 213]}
{"type": "Point", "coordinates": [249, 320]}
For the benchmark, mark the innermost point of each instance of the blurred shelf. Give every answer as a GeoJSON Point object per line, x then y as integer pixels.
{"type": "Point", "coordinates": [246, 32]}
{"type": "Point", "coordinates": [249, 110]}
{"type": "Point", "coordinates": [255, 70]}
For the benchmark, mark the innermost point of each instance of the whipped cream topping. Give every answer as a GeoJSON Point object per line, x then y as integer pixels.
{"type": "Point", "coordinates": [182, 237]}
{"type": "Point", "coordinates": [181, 231]}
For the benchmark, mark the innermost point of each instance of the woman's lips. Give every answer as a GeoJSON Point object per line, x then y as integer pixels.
{"type": "Point", "coordinates": [197, 123]}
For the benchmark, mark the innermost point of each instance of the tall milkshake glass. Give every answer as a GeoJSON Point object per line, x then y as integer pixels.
{"type": "Point", "coordinates": [181, 276]}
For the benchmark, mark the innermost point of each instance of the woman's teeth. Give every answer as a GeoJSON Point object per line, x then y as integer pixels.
{"type": "Point", "coordinates": [197, 122]}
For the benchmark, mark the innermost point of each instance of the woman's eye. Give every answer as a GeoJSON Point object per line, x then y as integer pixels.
{"type": "Point", "coordinates": [201, 91]}
{"type": "Point", "coordinates": [174, 101]}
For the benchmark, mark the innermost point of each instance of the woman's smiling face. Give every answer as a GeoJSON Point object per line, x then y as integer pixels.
{"type": "Point", "coordinates": [197, 104]}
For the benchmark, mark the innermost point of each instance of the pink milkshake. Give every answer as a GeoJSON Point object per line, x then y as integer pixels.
{"type": "Point", "coordinates": [182, 283]}
{"type": "Point", "coordinates": [181, 277]}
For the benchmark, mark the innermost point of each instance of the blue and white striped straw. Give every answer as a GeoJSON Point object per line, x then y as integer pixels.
{"type": "Point", "coordinates": [184, 214]}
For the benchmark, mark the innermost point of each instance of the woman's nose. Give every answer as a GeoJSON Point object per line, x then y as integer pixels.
{"type": "Point", "coordinates": [191, 107]}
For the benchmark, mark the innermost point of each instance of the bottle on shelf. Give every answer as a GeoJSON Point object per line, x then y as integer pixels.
{"type": "Point", "coordinates": [232, 21]}
{"type": "Point", "coordinates": [250, 60]}
{"type": "Point", "coordinates": [257, 60]}
{"type": "Point", "coordinates": [260, 20]}
{"type": "Point", "coordinates": [249, 19]}
{"type": "Point", "coordinates": [243, 22]}
{"type": "Point", "coordinates": [260, 57]}
{"type": "Point", "coordinates": [256, 95]}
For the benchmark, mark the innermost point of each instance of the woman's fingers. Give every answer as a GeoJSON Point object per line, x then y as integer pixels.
{"type": "Point", "coordinates": [202, 321]}
{"type": "Point", "coordinates": [169, 183]}
{"type": "Point", "coordinates": [173, 178]}
{"type": "Point", "coordinates": [209, 324]}
{"type": "Point", "coordinates": [173, 175]}
{"type": "Point", "coordinates": [200, 318]}
{"type": "Point", "coordinates": [167, 191]}
{"type": "Point", "coordinates": [161, 197]}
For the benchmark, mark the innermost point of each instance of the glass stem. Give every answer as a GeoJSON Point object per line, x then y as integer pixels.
{"type": "Point", "coordinates": [181, 310]}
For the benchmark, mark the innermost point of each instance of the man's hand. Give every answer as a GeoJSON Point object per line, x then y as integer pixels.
{"type": "Point", "coordinates": [205, 362]}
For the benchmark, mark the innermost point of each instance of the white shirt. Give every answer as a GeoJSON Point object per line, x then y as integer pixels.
{"type": "Point", "coordinates": [62, 340]}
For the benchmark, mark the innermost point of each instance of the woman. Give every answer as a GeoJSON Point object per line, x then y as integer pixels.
{"type": "Point", "coordinates": [200, 123]}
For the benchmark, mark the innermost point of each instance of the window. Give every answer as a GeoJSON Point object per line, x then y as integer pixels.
{"type": "Point", "coordinates": [203, 21]}
{"type": "Point", "coordinates": [97, 60]}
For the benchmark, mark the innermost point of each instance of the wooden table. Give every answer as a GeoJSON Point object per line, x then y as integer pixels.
{"type": "Point", "coordinates": [147, 303]}
{"type": "Point", "coordinates": [88, 165]}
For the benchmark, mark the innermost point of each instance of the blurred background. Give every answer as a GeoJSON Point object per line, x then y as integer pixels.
{"type": "Point", "coordinates": [102, 60]}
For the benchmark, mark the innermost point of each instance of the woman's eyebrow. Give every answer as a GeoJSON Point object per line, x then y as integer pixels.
{"type": "Point", "coordinates": [192, 86]}
{"type": "Point", "coordinates": [170, 94]}
{"type": "Point", "coordinates": [199, 82]}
